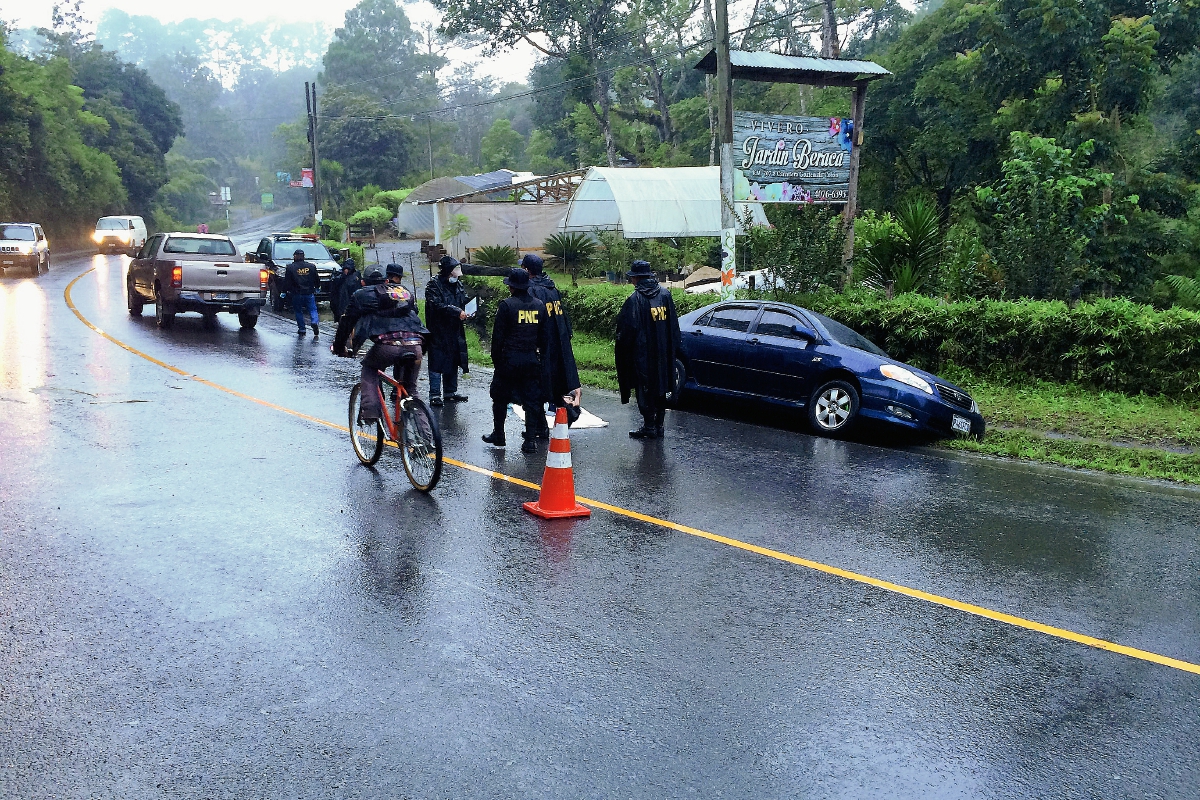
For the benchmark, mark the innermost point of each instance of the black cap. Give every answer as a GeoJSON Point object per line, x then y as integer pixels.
{"type": "Point", "coordinates": [395, 271]}
{"type": "Point", "coordinates": [349, 264]}
{"type": "Point", "coordinates": [533, 263]}
{"type": "Point", "coordinates": [447, 264]}
{"type": "Point", "coordinates": [517, 279]}
{"type": "Point", "coordinates": [641, 269]}
{"type": "Point", "coordinates": [298, 253]}
{"type": "Point", "coordinates": [373, 276]}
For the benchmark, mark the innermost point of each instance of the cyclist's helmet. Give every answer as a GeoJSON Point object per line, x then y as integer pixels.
{"type": "Point", "coordinates": [395, 271]}
{"type": "Point", "coordinates": [373, 276]}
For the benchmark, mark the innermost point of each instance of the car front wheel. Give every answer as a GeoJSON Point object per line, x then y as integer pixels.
{"type": "Point", "coordinates": [833, 408]}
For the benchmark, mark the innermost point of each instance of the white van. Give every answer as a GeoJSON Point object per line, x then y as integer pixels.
{"type": "Point", "coordinates": [126, 234]}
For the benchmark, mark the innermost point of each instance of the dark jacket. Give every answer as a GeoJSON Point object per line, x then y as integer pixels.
{"type": "Point", "coordinates": [648, 342]}
{"type": "Point", "coordinates": [446, 348]}
{"type": "Point", "coordinates": [341, 289]}
{"type": "Point", "coordinates": [375, 311]}
{"type": "Point", "coordinates": [519, 335]}
{"type": "Point", "coordinates": [562, 374]}
{"type": "Point", "coordinates": [301, 277]}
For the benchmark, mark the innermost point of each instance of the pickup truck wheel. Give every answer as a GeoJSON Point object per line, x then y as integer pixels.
{"type": "Point", "coordinates": [133, 300]}
{"type": "Point", "coordinates": [247, 320]}
{"type": "Point", "coordinates": [210, 321]}
{"type": "Point", "coordinates": [164, 312]}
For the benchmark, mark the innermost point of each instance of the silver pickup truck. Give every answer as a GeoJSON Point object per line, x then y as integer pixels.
{"type": "Point", "coordinates": [195, 272]}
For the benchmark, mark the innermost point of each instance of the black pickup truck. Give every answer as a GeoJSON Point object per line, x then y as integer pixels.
{"type": "Point", "coordinates": [275, 253]}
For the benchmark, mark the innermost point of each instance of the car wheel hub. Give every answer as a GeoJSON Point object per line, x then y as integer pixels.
{"type": "Point", "coordinates": [833, 409]}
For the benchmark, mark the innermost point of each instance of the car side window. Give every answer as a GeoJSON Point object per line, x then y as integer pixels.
{"type": "Point", "coordinates": [778, 323]}
{"type": "Point", "coordinates": [264, 248]}
{"type": "Point", "coordinates": [705, 319]}
{"type": "Point", "coordinates": [150, 247]}
{"type": "Point", "coordinates": [40, 235]}
{"type": "Point", "coordinates": [733, 318]}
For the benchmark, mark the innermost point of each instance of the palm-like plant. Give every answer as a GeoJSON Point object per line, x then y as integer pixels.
{"type": "Point", "coordinates": [496, 255]}
{"type": "Point", "coordinates": [1187, 290]}
{"type": "Point", "coordinates": [571, 252]}
{"type": "Point", "coordinates": [906, 258]}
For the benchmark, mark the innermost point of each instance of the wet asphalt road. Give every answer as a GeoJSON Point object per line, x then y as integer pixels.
{"type": "Point", "coordinates": [201, 596]}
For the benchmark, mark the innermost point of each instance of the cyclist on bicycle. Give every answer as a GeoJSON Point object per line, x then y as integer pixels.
{"type": "Point", "coordinates": [386, 313]}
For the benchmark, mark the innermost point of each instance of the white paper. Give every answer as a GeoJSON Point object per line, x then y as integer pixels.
{"type": "Point", "coordinates": [471, 307]}
{"type": "Point", "coordinates": [586, 419]}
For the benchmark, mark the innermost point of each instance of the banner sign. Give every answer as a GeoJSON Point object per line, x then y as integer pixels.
{"type": "Point", "coordinates": [780, 159]}
{"type": "Point", "coordinates": [306, 178]}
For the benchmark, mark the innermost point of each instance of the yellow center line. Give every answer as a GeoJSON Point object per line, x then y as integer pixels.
{"type": "Point", "coordinates": [907, 591]}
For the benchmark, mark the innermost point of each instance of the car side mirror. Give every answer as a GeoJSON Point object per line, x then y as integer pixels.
{"type": "Point", "coordinates": [251, 258]}
{"type": "Point", "coordinates": [804, 333]}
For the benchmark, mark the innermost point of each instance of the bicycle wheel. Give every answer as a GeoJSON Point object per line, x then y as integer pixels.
{"type": "Point", "coordinates": [420, 445]}
{"type": "Point", "coordinates": [367, 440]}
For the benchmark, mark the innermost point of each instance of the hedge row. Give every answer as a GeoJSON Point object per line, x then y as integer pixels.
{"type": "Point", "coordinates": [1107, 344]}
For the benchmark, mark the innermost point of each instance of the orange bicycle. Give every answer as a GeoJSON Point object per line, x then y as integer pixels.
{"type": "Point", "coordinates": [412, 429]}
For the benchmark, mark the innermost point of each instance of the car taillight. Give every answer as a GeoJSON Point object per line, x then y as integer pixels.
{"type": "Point", "coordinates": [177, 277]}
{"type": "Point", "coordinates": [262, 278]}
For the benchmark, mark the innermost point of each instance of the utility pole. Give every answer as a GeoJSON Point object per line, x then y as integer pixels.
{"type": "Point", "coordinates": [429, 141]}
{"type": "Point", "coordinates": [725, 136]}
{"type": "Point", "coordinates": [310, 103]}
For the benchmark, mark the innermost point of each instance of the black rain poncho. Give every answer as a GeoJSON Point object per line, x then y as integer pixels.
{"type": "Point", "coordinates": [648, 342]}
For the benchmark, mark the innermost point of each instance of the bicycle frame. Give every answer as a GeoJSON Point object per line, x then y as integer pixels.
{"type": "Point", "coordinates": [391, 422]}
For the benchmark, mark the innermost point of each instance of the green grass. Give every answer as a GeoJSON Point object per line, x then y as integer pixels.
{"type": "Point", "coordinates": [1076, 411]}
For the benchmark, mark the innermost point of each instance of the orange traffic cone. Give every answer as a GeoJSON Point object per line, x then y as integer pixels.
{"type": "Point", "coordinates": [557, 499]}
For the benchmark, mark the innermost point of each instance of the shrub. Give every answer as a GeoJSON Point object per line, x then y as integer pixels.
{"type": "Point", "coordinates": [377, 217]}
{"type": "Point", "coordinates": [494, 255]}
{"type": "Point", "coordinates": [391, 199]}
{"type": "Point", "coordinates": [904, 256]}
{"type": "Point", "coordinates": [333, 230]}
{"type": "Point", "coordinates": [802, 251]}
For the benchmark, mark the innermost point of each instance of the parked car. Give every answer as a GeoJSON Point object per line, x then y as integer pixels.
{"type": "Point", "coordinates": [126, 234]}
{"type": "Point", "coordinates": [787, 354]}
{"type": "Point", "coordinates": [195, 272]}
{"type": "Point", "coordinates": [275, 252]}
{"type": "Point", "coordinates": [23, 246]}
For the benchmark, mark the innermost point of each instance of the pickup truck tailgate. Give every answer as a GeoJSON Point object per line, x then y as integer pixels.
{"type": "Point", "coordinates": [232, 276]}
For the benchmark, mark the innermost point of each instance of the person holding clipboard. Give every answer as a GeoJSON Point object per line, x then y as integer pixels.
{"type": "Point", "coordinates": [446, 311]}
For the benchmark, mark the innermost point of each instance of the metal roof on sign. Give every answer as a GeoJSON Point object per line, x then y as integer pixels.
{"type": "Point", "coordinates": [778, 68]}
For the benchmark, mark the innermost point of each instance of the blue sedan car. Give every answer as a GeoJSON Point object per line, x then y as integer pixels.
{"type": "Point", "coordinates": [787, 354]}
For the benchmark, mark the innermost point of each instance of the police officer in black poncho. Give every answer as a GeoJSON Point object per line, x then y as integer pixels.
{"type": "Point", "coordinates": [561, 372]}
{"type": "Point", "coordinates": [648, 342]}
{"type": "Point", "coordinates": [445, 301]}
{"type": "Point", "coordinates": [343, 287]}
{"type": "Point", "coordinates": [518, 343]}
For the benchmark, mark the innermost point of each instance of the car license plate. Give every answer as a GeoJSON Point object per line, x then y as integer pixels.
{"type": "Point", "coordinates": [225, 296]}
{"type": "Point", "coordinates": [960, 424]}
{"type": "Point", "coordinates": [8, 263]}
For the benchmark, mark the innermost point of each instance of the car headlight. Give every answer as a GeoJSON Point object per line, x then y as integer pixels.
{"type": "Point", "coordinates": [123, 236]}
{"type": "Point", "coordinates": [25, 249]}
{"type": "Point", "coordinates": [97, 237]}
{"type": "Point", "coordinates": [975, 408]}
{"type": "Point", "coordinates": [907, 377]}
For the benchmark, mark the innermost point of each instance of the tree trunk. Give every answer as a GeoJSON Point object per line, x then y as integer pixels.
{"type": "Point", "coordinates": [830, 46]}
{"type": "Point", "coordinates": [710, 25]}
{"type": "Point", "coordinates": [665, 130]}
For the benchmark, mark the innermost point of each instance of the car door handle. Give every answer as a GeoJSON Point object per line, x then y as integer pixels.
{"type": "Point", "coordinates": [697, 332]}
{"type": "Point", "coordinates": [754, 340]}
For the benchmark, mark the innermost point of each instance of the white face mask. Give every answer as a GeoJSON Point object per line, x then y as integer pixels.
{"type": "Point", "coordinates": [453, 279]}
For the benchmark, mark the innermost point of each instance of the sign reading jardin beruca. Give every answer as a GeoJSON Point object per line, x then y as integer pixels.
{"type": "Point", "coordinates": [781, 159]}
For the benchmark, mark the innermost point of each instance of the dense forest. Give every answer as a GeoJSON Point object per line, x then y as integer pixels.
{"type": "Point", "coordinates": [1043, 148]}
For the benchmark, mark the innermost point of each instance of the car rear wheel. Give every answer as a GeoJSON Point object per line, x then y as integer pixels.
{"type": "Point", "coordinates": [247, 320]}
{"type": "Point", "coordinates": [679, 378]}
{"type": "Point", "coordinates": [833, 408]}
{"type": "Point", "coordinates": [164, 312]}
{"type": "Point", "coordinates": [133, 300]}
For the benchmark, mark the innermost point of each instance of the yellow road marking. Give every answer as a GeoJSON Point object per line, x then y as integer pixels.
{"type": "Point", "coordinates": [907, 591]}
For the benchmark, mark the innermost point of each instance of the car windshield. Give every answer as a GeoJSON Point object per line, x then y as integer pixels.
{"type": "Point", "coordinates": [206, 247]}
{"type": "Point", "coordinates": [313, 251]}
{"type": "Point", "coordinates": [19, 233]}
{"type": "Point", "coordinates": [843, 335]}
{"type": "Point", "coordinates": [113, 224]}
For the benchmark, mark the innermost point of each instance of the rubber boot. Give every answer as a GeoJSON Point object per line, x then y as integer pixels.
{"type": "Point", "coordinates": [496, 437]}
{"type": "Point", "coordinates": [660, 416]}
{"type": "Point", "coordinates": [316, 330]}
